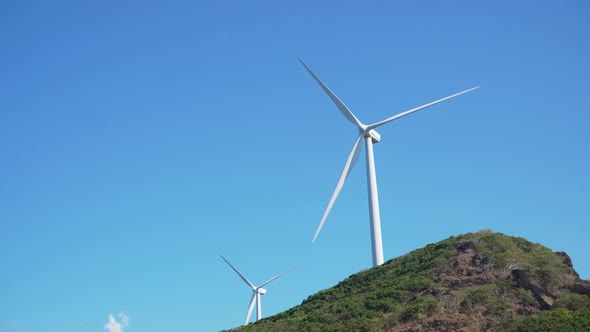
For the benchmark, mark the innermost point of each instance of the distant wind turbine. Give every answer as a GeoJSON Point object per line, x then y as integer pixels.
{"type": "Point", "coordinates": [257, 291]}
{"type": "Point", "coordinates": [368, 133]}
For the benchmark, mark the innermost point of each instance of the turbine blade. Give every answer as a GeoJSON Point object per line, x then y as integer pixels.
{"type": "Point", "coordinates": [395, 117]}
{"type": "Point", "coordinates": [276, 277]}
{"type": "Point", "coordinates": [252, 301]}
{"type": "Point", "coordinates": [238, 272]}
{"type": "Point", "coordinates": [343, 109]}
{"type": "Point", "coordinates": [350, 161]}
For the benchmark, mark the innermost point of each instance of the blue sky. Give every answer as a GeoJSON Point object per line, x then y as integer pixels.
{"type": "Point", "coordinates": [140, 140]}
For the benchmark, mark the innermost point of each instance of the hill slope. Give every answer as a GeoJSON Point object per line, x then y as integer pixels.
{"type": "Point", "coordinates": [481, 281]}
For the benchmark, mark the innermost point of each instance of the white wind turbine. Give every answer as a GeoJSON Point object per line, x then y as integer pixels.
{"type": "Point", "coordinates": [371, 137]}
{"type": "Point", "coordinates": [257, 291]}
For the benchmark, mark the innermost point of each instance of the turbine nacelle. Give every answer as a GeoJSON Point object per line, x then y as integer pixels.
{"type": "Point", "coordinates": [260, 291]}
{"type": "Point", "coordinates": [375, 136]}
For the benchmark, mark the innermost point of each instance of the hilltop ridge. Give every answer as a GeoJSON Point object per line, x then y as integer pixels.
{"type": "Point", "coordinates": [482, 281]}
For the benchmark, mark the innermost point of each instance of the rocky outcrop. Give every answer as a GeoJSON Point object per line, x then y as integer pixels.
{"type": "Point", "coordinates": [542, 295]}
{"type": "Point", "coordinates": [581, 287]}
{"type": "Point", "coordinates": [568, 261]}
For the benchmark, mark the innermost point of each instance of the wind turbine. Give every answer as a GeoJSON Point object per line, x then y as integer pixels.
{"type": "Point", "coordinates": [368, 133]}
{"type": "Point", "coordinates": [257, 291]}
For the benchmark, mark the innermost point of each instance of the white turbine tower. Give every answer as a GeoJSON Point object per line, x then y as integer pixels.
{"type": "Point", "coordinates": [257, 291]}
{"type": "Point", "coordinates": [368, 133]}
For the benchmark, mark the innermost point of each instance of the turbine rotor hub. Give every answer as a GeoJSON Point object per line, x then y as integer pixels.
{"type": "Point", "coordinates": [261, 291]}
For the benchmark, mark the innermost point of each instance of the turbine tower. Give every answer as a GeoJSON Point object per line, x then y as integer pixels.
{"type": "Point", "coordinates": [370, 136]}
{"type": "Point", "coordinates": [257, 291]}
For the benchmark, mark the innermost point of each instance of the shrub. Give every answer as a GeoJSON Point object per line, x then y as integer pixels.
{"type": "Point", "coordinates": [526, 297]}
{"type": "Point", "coordinates": [422, 308]}
{"type": "Point", "coordinates": [480, 295]}
{"type": "Point", "coordinates": [573, 302]}
{"type": "Point", "coordinates": [561, 320]}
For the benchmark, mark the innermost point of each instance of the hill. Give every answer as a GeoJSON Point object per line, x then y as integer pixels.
{"type": "Point", "coordinates": [482, 281]}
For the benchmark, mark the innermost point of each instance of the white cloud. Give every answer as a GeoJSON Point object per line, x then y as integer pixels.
{"type": "Point", "coordinates": [124, 319]}
{"type": "Point", "coordinates": [114, 326]}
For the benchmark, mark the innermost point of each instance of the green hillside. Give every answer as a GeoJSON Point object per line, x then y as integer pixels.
{"type": "Point", "coordinates": [482, 281]}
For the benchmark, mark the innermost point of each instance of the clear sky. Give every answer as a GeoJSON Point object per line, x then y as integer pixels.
{"type": "Point", "coordinates": [138, 141]}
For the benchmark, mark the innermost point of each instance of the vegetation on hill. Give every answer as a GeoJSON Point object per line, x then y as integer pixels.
{"type": "Point", "coordinates": [482, 281]}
